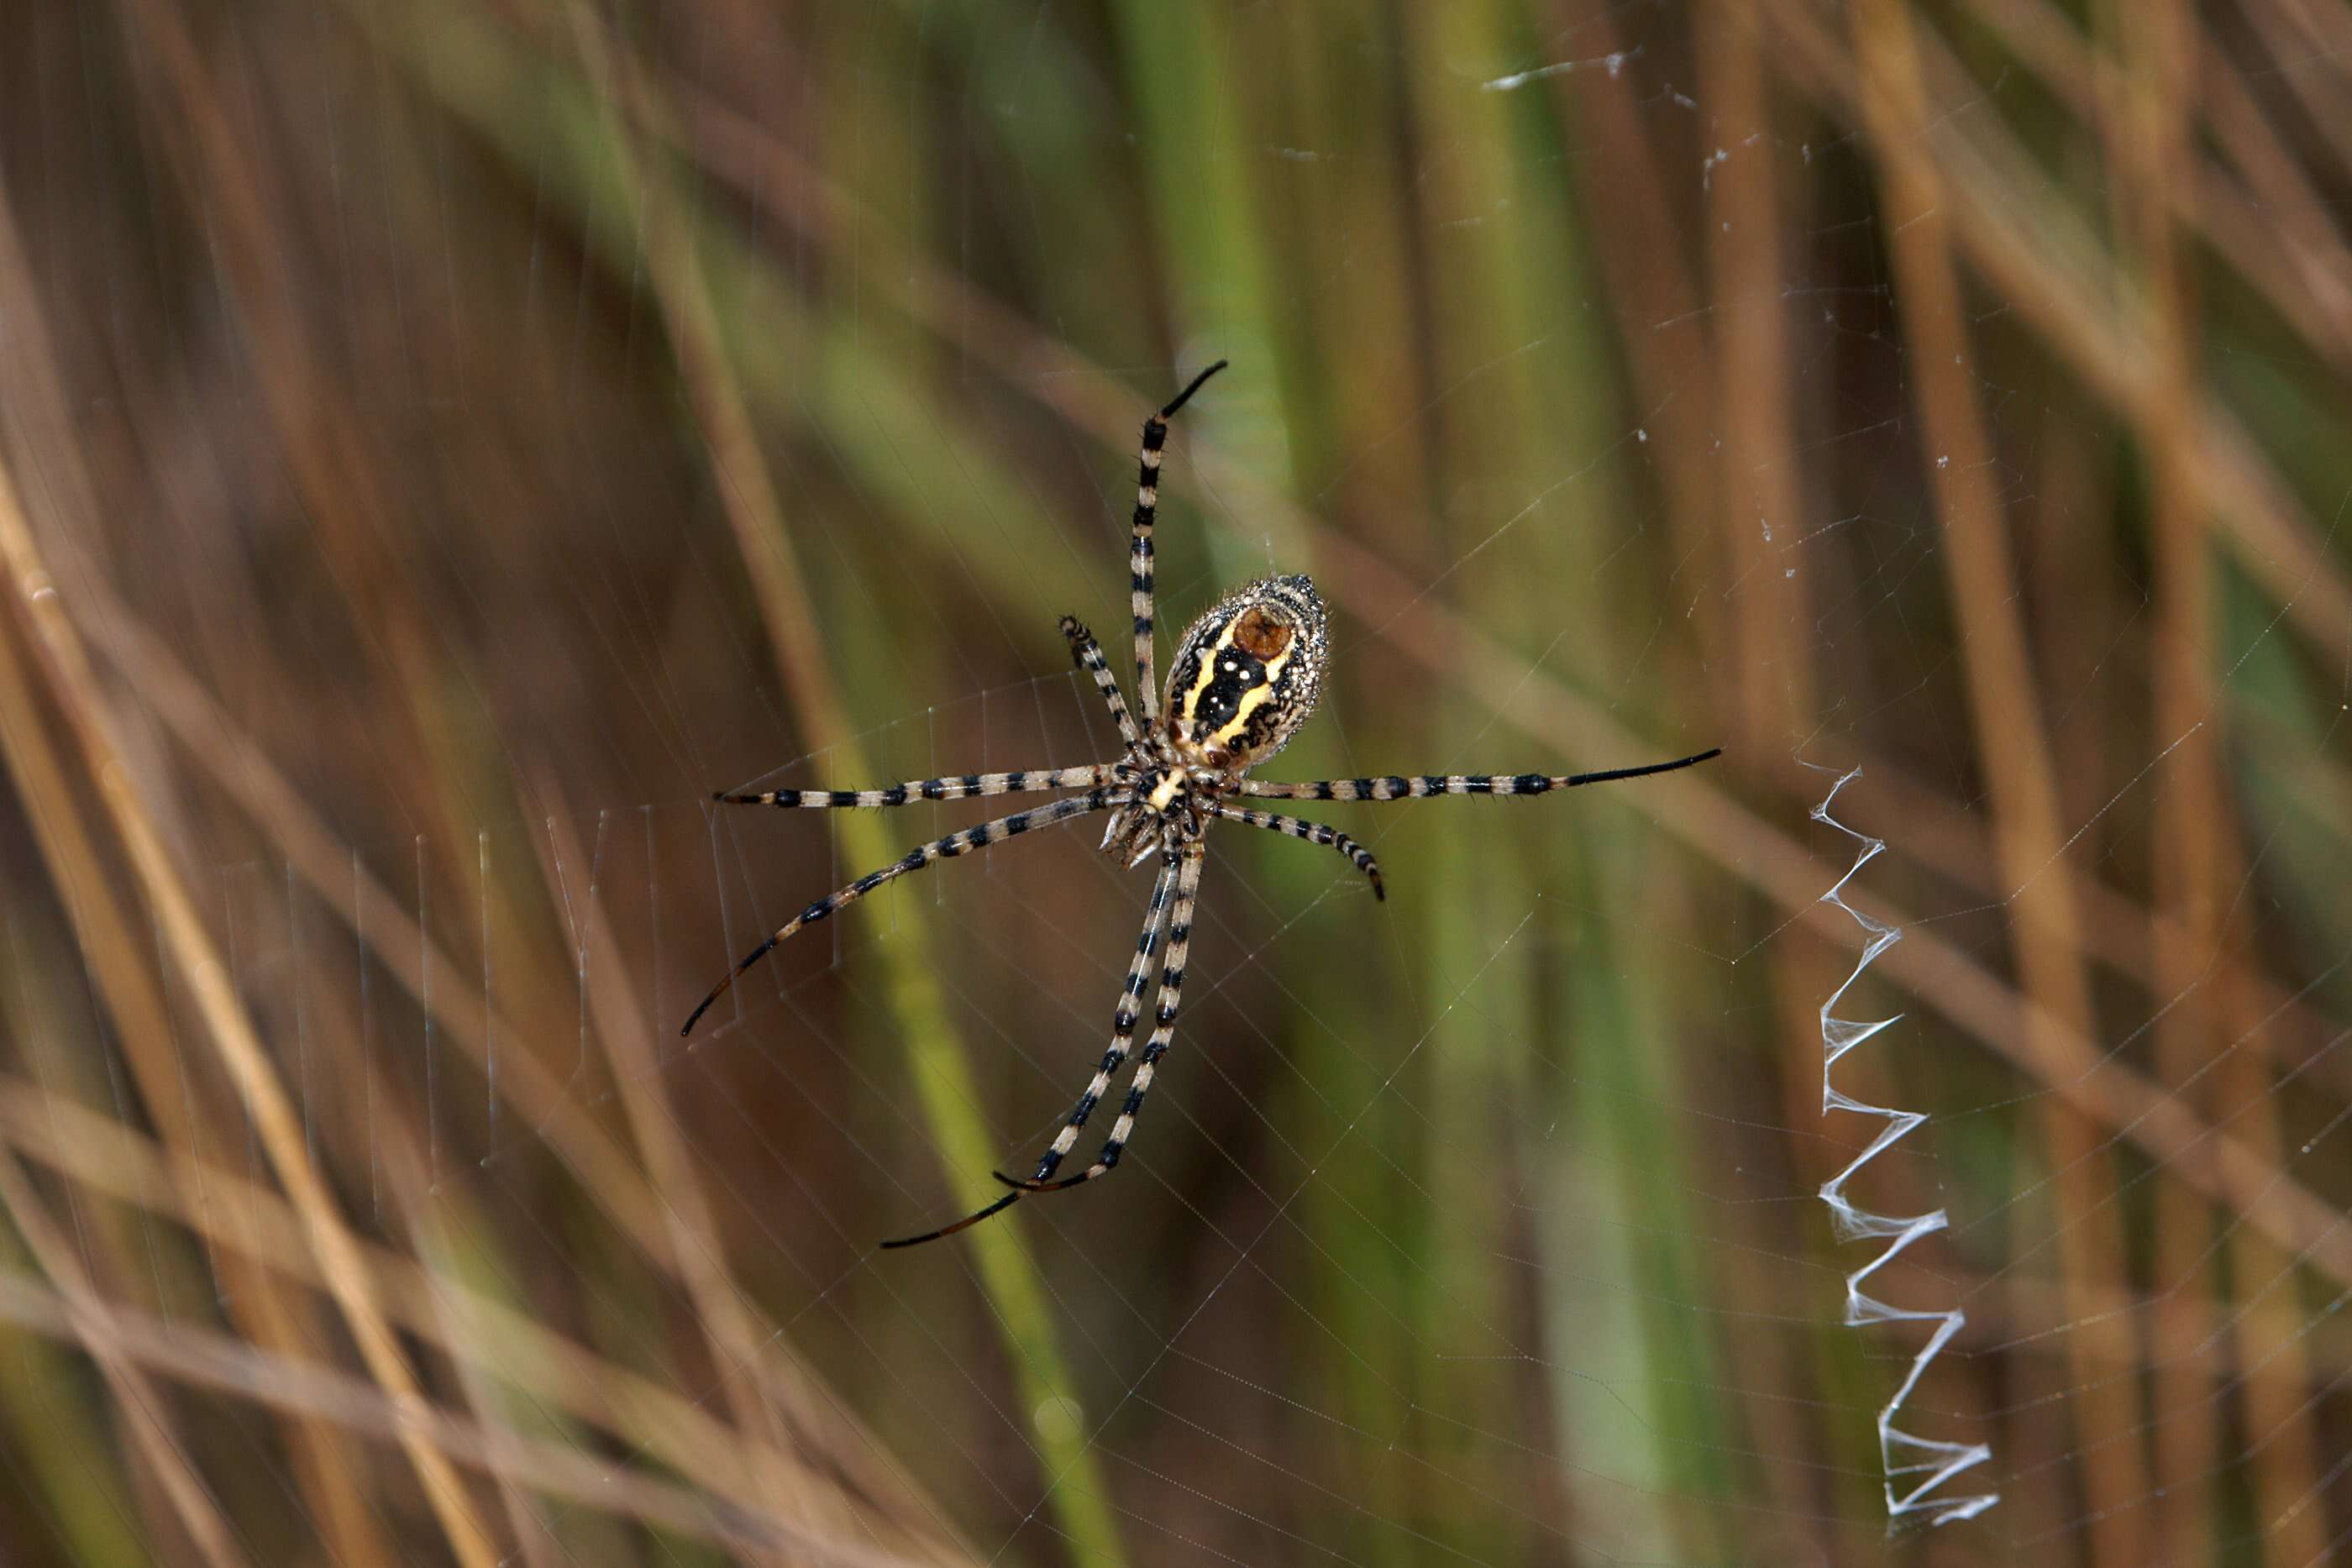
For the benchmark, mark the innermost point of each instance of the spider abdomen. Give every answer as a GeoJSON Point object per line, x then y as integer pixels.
{"type": "Point", "coordinates": [1247, 674]}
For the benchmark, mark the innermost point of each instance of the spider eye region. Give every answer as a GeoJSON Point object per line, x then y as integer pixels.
{"type": "Point", "coordinates": [1246, 673]}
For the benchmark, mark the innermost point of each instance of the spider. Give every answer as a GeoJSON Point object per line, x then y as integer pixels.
{"type": "Point", "coordinates": [1246, 676]}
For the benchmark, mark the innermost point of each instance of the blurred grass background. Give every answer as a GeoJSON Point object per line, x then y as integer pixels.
{"type": "Point", "coordinates": [440, 443]}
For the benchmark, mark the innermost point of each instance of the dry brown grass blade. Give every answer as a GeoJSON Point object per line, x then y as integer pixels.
{"type": "Point", "coordinates": [753, 510]}
{"type": "Point", "coordinates": [1698, 365]}
{"type": "Point", "coordinates": [722, 1311]}
{"type": "Point", "coordinates": [397, 941]}
{"type": "Point", "coordinates": [1760, 483]}
{"type": "Point", "coordinates": [38, 609]}
{"type": "Point", "coordinates": [2011, 736]}
{"type": "Point", "coordinates": [114, 955]}
{"type": "Point", "coordinates": [1638, 245]}
{"type": "Point", "coordinates": [2161, 401]}
{"type": "Point", "coordinates": [2270, 1332]}
{"type": "Point", "coordinates": [429, 1214]}
{"type": "Point", "coordinates": [332, 1484]}
{"type": "Point", "coordinates": [136, 997]}
{"type": "Point", "coordinates": [2035, 254]}
{"type": "Point", "coordinates": [189, 1105]}
{"type": "Point", "coordinates": [205, 1359]}
{"type": "Point", "coordinates": [236, 1215]}
{"type": "Point", "coordinates": [2298, 34]}
{"type": "Point", "coordinates": [506, 1459]}
{"type": "Point", "coordinates": [2146, 97]}
{"type": "Point", "coordinates": [86, 1146]}
{"type": "Point", "coordinates": [146, 1409]}
{"type": "Point", "coordinates": [1760, 497]}
{"type": "Point", "coordinates": [727, 1316]}
{"type": "Point", "coordinates": [402, 949]}
{"type": "Point", "coordinates": [2292, 257]}
{"type": "Point", "coordinates": [2124, 1102]}
{"type": "Point", "coordinates": [2119, 932]}
{"type": "Point", "coordinates": [2199, 856]}
{"type": "Point", "coordinates": [2295, 255]}
{"type": "Point", "coordinates": [327, 446]}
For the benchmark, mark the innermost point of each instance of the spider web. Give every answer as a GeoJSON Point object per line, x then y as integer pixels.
{"type": "Point", "coordinates": [452, 441]}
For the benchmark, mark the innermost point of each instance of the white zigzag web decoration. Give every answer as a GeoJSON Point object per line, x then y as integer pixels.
{"type": "Point", "coordinates": [1903, 1454]}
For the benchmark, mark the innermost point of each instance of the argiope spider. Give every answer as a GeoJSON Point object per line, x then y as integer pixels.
{"type": "Point", "coordinates": [1244, 678]}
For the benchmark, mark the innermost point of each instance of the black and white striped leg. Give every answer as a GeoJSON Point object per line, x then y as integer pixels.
{"type": "Point", "coordinates": [1122, 1022]}
{"type": "Point", "coordinates": [1140, 571]}
{"type": "Point", "coordinates": [1313, 833]}
{"type": "Point", "coordinates": [1163, 1031]}
{"type": "Point", "coordinates": [1398, 787]}
{"type": "Point", "coordinates": [949, 787]}
{"type": "Point", "coordinates": [956, 843]}
{"type": "Point", "coordinates": [1089, 655]}
{"type": "Point", "coordinates": [1122, 1041]}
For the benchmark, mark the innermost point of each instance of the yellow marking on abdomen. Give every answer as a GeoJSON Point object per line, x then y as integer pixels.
{"type": "Point", "coordinates": [1208, 675]}
{"type": "Point", "coordinates": [1254, 698]}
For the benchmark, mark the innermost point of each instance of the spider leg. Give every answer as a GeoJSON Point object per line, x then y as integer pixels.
{"type": "Point", "coordinates": [1146, 512]}
{"type": "Point", "coordinates": [1313, 833]}
{"type": "Point", "coordinates": [966, 1223]}
{"type": "Point", "coordinates": [1122, 1041]}
{"type": "Point", "coordinates": [1089, 655]}
{"type": "Point", "coordinates": [1163, 1033]}
{"type": "Point", "coordinates": [946, 788]}
{"type": "Point", "coordinates": [1395, 788]}
{"type": "Point", "coordinates": [956, 843]}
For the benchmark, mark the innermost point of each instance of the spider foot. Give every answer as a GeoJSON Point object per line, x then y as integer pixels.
{"type": "Point", "coordinates": [1033, 1185]}
{"type": "Point", "coordinates": [975, 1218]}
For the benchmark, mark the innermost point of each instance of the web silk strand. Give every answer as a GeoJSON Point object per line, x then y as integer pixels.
{"type": "Point", "coordinates": [1923, 1465]}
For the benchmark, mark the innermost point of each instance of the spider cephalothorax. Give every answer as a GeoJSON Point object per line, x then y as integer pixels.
{"type": "Point", "coordinates": [1245, 677]}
